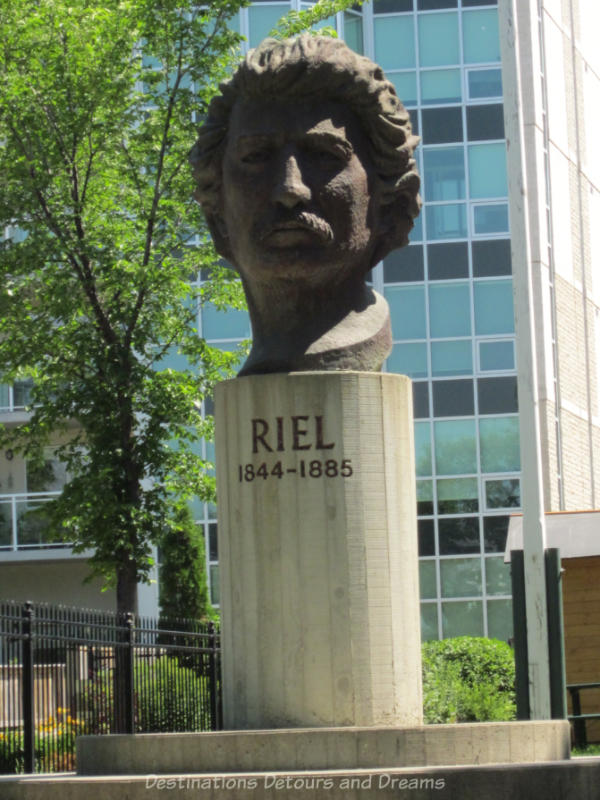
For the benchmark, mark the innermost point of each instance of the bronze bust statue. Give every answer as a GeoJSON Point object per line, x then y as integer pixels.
{"type": "Point", "coordinates": [305, 172]}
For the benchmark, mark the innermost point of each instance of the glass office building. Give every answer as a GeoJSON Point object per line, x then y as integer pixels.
{"type": "Point", "coordinates": [450, 294]}
{"type": "Point", "coordinates": [450, 298]}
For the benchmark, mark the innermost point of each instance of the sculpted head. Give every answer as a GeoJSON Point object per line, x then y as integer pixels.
{"type": "Point", "coordinates": [304, 168]}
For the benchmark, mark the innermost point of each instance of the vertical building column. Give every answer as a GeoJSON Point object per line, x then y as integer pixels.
{"type": "Point", "coordinates": [522, 87]}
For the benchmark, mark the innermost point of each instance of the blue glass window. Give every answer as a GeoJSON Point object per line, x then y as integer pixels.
{"type": "Point", "coordinates": [353, 32]}
{"type": "Point", "coordinates": [425, 506]}
{"type": "Point", "coordinates": [391, 6]}
{"type": "Point", "coordinates": [429, 622]}
{"type": "Point", "coordinates": [499, 444]}
{"type": "Point", "coordinates": [487, 170]}
{"type": "Point", "coordinates": [460, 577]}
{"type": "Point", "coordinates": [230, 324]}
{"type": "Point", "coordinates": [432, 5]}
{"type": "Point", "coordinates": [420, 399]}
{"type": "Point", "coordinates": [210, 451]}
{"type": "Point", "coordinates": [484, 83]}
{"type": "Point", "coordinates": [406, 86]}
{"type": "Point", "coordinates": [394, 42]}
{"type": "Point", "coordinates": [495, 533]}
{"type": "Point", "coordinates": [404, 265]}
{"type": "Point", "coordinates": [500, 621]}
{"type": "Point", "coordinates": [441, 86]}
{"type": "Point", "coordinates": [328, 22]}
{"type": "Point", "coordinates": [459, 536]}
{"type": "Point", "coordinates": [481, 40]}
{"type": "Point", "coordinates": [455, 447]}
{"type": "Point", "coordinates": [409, 359]}
{"type": "Point", "coordinates": [423, 449]}
{"type": "Point", "coordinates": [491, 218]}
{"type": "Point", "coordinates": [447, 261]}
{"type": "Point", "coordinates": [451, 358]}
{"type": "Point", "coordinates": [491, 257]}
{"type": "Point", "coordinates": [447, 221]}
{"type": "Point", "coordinates": [459, 496]}
{"type": "Point", "coordinates": [172, 359]}
{"type": "Point", "coordinates": [262, 19]}
{"type": "Point", "coordinates": [493, 307]}
{"type": "Point", "coordinates": [453, 398]}
{"type": "Point", "coordinates": [438, 39]}
{"type": "Point", "coordinates": [497, 576]}
{"type": "Point", "coordinates": [444, 169]}
{"type": "Point", "coordinates": [407, 311]}
{"type": "Point", "coordinates": [498, 395]}
{"type": "Point", "coordinates": [485, 122]}
{"type": "Point", "coordinates": [450, 309]}
{"type": "Point", "coordinates": [416, 235]}
{"type": "Point", "coordinates": [427, 582]}
{"type": "Point", "coordinates": [442, 125]}
{"type": "Point", "coordinates": [503, 493]}
{"type": "Point", "coordinates": [496, 356]}
{"type": "Point", "coordinates": [462, 619]}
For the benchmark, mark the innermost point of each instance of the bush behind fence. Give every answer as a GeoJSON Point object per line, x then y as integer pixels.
{"type": "Point", "coordinates": [67, 671]}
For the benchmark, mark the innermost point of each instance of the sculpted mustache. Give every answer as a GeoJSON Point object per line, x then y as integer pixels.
{"type": "Point", "coordinates": [305, 219]}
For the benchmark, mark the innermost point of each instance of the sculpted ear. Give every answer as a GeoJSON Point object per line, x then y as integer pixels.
{"type": "Point", "coordinates": [387, 233]}
{"type": "Point", "coordinates": [395, 223]}
{"type": "Point", "coordinates": [220, 237]}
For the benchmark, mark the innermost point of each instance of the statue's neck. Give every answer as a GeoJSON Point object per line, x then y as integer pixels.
{"type": "Point", "coordinates": [299, 328]}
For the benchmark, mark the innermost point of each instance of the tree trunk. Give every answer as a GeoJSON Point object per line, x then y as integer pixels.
{"type": "Point", "coordinates": [127, 593]}
{"type": "Point", "coordinates": [122, 676]}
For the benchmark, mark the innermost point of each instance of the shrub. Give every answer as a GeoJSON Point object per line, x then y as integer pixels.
{"type": "Point", "coordinates": [171, 697]}
{"type": "Point", "coordinates": [468, 679]}
{"type": "Point", "coordinates": [168, 697]}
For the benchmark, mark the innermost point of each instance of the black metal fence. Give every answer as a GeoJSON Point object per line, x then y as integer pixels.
{"type": "Point", "coordinates": [67, 671]}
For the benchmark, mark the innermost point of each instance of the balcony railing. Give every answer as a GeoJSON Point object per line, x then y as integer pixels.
{"type": "Point", "coordinates": [24, 523]}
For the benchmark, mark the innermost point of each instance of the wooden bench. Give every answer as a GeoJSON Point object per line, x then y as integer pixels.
{"type": "Point", "coordinates": [577, 718]}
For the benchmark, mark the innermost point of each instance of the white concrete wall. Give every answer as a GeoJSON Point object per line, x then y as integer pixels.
{"type": "Point", "coordinates": [318, 550]}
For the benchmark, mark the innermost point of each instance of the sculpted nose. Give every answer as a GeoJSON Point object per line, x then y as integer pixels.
{"type": "Point", "coordinates": [290, 189]}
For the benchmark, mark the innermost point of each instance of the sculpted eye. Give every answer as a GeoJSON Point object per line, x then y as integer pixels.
{"type": "Point", "coordinates": [257, 155]}
{"type": "Point", "coordinates": [330, 152]}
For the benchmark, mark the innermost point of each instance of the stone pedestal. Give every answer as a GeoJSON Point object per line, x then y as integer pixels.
{"type": "Point", "coordinates": [318, 551]}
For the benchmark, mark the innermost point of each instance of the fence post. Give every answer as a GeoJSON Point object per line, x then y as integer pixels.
{"type": "Point", "coordinates": [213, 679]}
{"type": "Point", "coordinates": [27, 690]}
{"type": "Point", "coordinates": [128, 677]}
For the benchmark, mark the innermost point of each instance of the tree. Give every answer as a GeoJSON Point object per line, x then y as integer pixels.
{"type": "Point", "coordinates": [98, 110]}
{"type": "Point", "coordinates": [182, 577]}
{"type": "Point", "coordinates": [97, 116]}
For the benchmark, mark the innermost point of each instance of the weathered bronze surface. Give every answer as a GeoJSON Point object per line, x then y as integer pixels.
{"type": "Point", "coordinates": [305, 172]}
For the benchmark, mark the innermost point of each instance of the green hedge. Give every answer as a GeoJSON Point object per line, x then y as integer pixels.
{"type": "Point", "coordinates": [171, 697]}
{"type": "Point", "coordinates": [468, 679]}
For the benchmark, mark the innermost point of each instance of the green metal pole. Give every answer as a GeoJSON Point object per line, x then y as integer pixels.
{"type": "Point", "coordinates": [556, 649]}
{"type": "Point", "coordinates": [517, 572]}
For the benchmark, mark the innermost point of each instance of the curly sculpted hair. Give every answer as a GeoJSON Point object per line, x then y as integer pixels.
{"type": "Point", "coordinates": [320, 67]}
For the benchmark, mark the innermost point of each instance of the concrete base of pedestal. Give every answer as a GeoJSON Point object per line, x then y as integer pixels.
{"type": "Point", "coordinates": [324, 748]}
{"type": "Point", "coordinates": [318, 551]}
{"type": "Point", "coordinates": [538, 751]}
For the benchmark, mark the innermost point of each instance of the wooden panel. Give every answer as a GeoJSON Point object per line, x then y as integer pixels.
{"type": "Point", "coordinates": [581, 608]}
